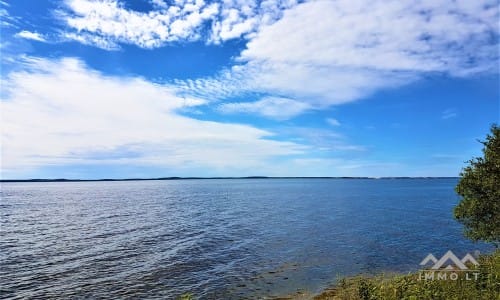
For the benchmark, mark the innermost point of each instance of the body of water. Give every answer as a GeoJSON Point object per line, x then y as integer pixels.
{"type": "Point", "coordinates": [218, 239]}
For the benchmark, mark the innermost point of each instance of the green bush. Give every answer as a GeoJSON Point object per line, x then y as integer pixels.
{"type": "Point", "coordinates": [412, 287]}
{"type": "Point", "coordinates": [479, 186]}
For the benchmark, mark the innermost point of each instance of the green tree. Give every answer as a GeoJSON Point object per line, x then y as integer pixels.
{"type": "Point", "coordinates": [479, 186]}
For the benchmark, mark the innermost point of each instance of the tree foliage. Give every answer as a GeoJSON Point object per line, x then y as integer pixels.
{"type": "Point", "coordinates": [479, 186]}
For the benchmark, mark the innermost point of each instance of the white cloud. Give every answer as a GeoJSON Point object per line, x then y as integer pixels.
{"type": "Point", "coordinates": [160, 3]}
{"type": "Point", "coordinates": [6, 20]}
{"type": "Point", "coordinates": [333, 122]}
{"type": "Point", "coordinates": [60, 112]}
{"type": "Point", "coordinates": [31, 36]}
{"type": "Point", "coordinates": [109, 20]}
{"type": "Point", "coordinates": [332, 52]}
{"type": "Point", "coordinates": [245, 18]}
{"type": "Point", "coordinates": [271, 107]}
{"type": "Point", "coordinates": [317, 86]}
{"type": "Point", "coordinates": [321, 53]}
{"type": "Point", "coordinates": [179, 21]}
{"type": "Point", "coordinates": [90, 40]}
{"type": "Point", "coordinates": [381, 35]}
{"type": "Point", "coordinates": [408, 35]}
{"type": "Point", "coordinates": [449, 113]}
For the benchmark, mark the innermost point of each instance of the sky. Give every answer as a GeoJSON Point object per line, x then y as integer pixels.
{"type": "Point", "coordinates": [156, 88]}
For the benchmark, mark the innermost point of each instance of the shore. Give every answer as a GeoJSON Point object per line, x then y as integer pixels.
{"type": "Point", "coordinates": [485, 285]}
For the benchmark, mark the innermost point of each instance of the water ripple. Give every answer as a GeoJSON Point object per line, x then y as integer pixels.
{"type": "Point", "coordinates": [218, 239]}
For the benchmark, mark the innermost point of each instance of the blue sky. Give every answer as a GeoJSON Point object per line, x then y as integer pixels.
{"type": "Point", "coordinates": [148, 88]}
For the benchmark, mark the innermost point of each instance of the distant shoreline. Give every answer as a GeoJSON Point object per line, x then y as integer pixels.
{"type": "Point", "coordinates": [210, 178]}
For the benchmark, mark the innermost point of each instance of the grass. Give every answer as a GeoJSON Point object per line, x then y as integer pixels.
{"type": "Point", "coordinates": [186, 296]}
{"type": "Point", "coordinates": [413, 287]}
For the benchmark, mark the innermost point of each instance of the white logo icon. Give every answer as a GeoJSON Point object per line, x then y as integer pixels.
{"type": "Point", "coordinates": [456, 264]}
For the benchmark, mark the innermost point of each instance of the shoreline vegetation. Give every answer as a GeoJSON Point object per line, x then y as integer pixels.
{"type": "Point", "coordinates": [212, 178]}
{"type": "Point", "coordinates": [485, 285]}
{"type": "Point", "coordinates": [413, 286]}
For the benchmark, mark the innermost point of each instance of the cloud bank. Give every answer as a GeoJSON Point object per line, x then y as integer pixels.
{"type": "Point", "coordinates": [315, 54]}
{"type": "Point", "coordinates": [302, 56]}
{"type": "Point", "coordinates": [325, 53]}
{"type": "Point", "coordinates": [58, 112]}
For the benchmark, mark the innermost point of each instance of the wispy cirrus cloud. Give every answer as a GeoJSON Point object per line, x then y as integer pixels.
{"type": "Point", "coordinates": [270, 107]}
{"type": "Point", "coordinates": [88, 39]}
{"type": "Point", "coordinates": [109, 20]}
{"type": "Point", "coordinates": [449, 113]}
{"type": "Point", "coordinates": [323, 140]}
{"type": "Point", "coordinates": [31, 36]}
{"type": "Point", "coordinates": [332, 121]}
{"type": "Point", "coordinates": [6, 20]}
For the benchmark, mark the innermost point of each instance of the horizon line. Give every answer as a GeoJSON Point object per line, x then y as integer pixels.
{"type": "Point", "coordinates": [223, 177]}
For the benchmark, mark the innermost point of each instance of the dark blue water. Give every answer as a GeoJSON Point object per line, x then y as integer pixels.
{"type": "Point", "coordinates": [225, 239]}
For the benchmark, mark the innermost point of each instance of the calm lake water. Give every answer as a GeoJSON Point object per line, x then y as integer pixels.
{"type": "Point", "coordinates": [223, 239]}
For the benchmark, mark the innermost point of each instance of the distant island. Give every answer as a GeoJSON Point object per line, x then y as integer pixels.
{"type": "Point", "coordinates": [191, 178]}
